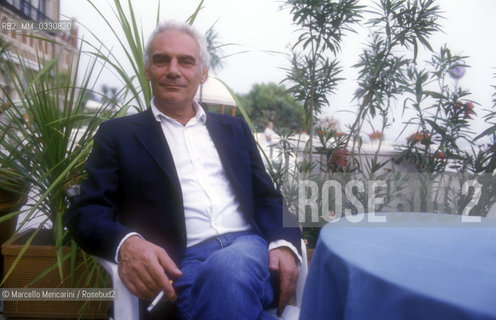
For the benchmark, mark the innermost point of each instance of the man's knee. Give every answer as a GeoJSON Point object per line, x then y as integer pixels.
{"type": "Point", "coordinates": [233, 279]}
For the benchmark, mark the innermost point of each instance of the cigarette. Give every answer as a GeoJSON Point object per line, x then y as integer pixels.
{"type": "Point", "coordinates": [157, 299]}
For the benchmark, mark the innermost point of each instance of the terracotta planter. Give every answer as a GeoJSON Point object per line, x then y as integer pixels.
{"type": "Point", "coordinates": [7, 229]}
{"type": "Point", "coordinates": [36, 259]}
{"type": "Point", "coordinates": [9, 202]}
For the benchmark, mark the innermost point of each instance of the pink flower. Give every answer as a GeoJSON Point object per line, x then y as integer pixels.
{"type": "Point", "coordinates": [339, 158]}
{"type": "Point", "coordinates": [376, 135]}
{"type": "Point", "coordinates": [469, 110]}
{"type": "Point", "coordinates": [422, 137]}
{"type": "Point", "coordinates": [439, 155]}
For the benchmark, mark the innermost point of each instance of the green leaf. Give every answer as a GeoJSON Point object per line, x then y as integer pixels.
{"type": "Point", "coordinates": [488, 132]}
{"type": "Point", "coordinates": [192, 18]}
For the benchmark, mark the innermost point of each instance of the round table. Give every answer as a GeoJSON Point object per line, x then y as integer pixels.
{"type": "Point", "coordinates": [388, 272]}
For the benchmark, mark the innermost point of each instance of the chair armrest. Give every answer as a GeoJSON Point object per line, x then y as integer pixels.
{"type": "Point", "coordinates": [126, 305]}
{"type": "Point", "coordinates": [302, 276]}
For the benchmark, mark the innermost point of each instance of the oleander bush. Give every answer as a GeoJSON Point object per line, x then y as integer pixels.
{"type": "Point", "coordinates": [441, 139]}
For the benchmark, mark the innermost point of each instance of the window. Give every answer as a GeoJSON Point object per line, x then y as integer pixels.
{"type": "Point", "coordinates": [45, 6]}
{"type": "Point", "coordinates": [26, 8]}
{"type": "Point", "coordinates": [15, 3]}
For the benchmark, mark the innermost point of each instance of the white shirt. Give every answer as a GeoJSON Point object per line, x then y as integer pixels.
{"type": "Point", "coordinates": [210, 206]}
{"type": "Point", "coordinates": [269, 134]}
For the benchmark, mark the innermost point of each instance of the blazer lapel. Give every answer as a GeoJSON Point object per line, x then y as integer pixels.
{"type": "Point", "coordinates": [222, 135]}
{"type": "Point", "coordinates": [150, 135]}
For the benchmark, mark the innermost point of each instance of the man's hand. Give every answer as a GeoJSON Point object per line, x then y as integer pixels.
{"type": "Point", "coordinates": [283, 261]}
{"type": "Point", "coordinates": [145, 269]}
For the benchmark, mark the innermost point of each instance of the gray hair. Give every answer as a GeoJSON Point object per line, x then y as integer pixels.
{"type": "Point", "coordinates": [181, 27]}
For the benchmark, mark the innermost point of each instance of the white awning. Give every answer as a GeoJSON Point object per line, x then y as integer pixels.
{"type": "Point", "coordinates": [92, 105]}
{"type": "Point", "coordinates": [214, 92]}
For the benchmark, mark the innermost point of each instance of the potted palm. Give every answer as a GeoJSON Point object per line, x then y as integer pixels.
{"type": "Point", "coordinates": [47, 135]}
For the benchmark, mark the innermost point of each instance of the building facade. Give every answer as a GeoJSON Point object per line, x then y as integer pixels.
{"type": "Point", "coordinates": [31, 41]}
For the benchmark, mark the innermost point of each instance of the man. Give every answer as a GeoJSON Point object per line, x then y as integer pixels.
{"type": "Point", "coordinates": [269, 132]}
{"type": "Point", "coordinates": [181, 200]}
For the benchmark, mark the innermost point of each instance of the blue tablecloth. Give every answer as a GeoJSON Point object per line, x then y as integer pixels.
{"type": "Point", "coordinates": [402, 273]}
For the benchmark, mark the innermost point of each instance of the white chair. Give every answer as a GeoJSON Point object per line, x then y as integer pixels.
{"type": "Point", "coordinates": [126, 306]}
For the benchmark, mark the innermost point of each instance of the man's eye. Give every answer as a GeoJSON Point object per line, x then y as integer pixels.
{"type": "Point", "coordinates": [188, 62]}
{"type": "Point", "coordinates": [160, 61]}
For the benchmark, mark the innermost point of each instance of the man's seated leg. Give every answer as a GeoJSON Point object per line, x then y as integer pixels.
{"type": "Point", "coordinates": [226, 278]}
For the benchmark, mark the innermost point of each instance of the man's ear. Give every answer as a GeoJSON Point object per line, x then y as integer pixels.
{"type": "Point", "coordinates": [204, 75]}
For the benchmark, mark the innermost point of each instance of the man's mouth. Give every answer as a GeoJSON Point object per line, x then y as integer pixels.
{"type": "Point", "coordinates": [173, 87]}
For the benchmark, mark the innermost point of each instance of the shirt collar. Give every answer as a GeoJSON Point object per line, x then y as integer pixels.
{"type": "Point", "coordinates": [200, 114]}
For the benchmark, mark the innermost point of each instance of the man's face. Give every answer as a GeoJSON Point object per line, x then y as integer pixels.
{"type": "Point", "coordinates": [175, 70]}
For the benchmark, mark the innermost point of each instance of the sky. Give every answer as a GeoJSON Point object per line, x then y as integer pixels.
{"type": "Point", "coordinates": [263, 30]}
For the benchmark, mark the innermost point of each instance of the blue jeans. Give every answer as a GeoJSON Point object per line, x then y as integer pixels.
{"type": "Point", "coordinates": [226, 277]}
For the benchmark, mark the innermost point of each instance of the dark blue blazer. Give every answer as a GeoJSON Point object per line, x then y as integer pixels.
{"type": "Point", "coordinates": [132, 185]}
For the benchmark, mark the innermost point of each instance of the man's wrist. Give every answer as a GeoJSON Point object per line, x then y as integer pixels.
{"type": "Point", "coordinates": [127, 236]}
{"type": "Point", "coordinates": [283, 243]}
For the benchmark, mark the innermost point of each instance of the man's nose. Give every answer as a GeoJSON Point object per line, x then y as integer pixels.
{"type": "Point", "coordinates": [173, 70]}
